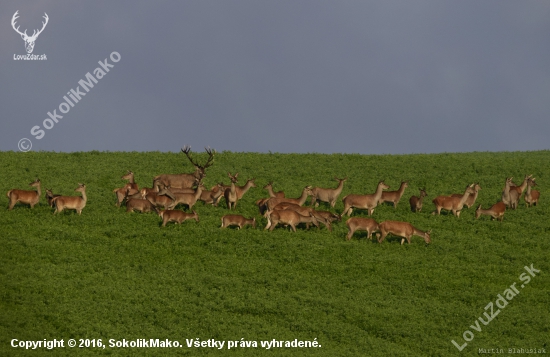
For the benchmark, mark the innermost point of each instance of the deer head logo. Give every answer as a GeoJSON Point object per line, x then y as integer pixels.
{"type": "Point", "coordinates": [29, 40]}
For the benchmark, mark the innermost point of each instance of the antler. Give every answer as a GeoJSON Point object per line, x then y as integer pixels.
{"type": "Point", "coordinates": [186, 150]}
{"type": "Point", "coordinates": [43, 25]}
{"type": "Point", "coordinates": [13, 19]}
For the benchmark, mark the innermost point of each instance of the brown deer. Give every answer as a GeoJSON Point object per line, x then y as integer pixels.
{"type": "Point", "coordinates": [237, 220]}
{"type": "Point", "coordinates": [361, 224]}
{"type": "Point", "coordinates": [416, 201]}
{"type": "Point", "coordinates": [188, 199]}
{"type": "Point", "coordinates": [368, 202]}
{"type": "Point", "coordinates": [329, 195]}
{"type": "Point", "coordinates": [274, 201]}
{"type": "Point", "coordinates": [450, 203]}
{"type": "Point", "coordinates": [287, 217]}
{"type": "Point", "coordinates": [230, 193]}
{"type": "Point", "coordinates": [241, 190]}
{"type": "Point", "coordinates": [30, 198]}
{"type": "Point", "coordinates": [131, 188]}
{"type": "Point", "coordinates": [269, 188]}
{"type": "Point", "coordinates": [164, 198]}
{"type": "Point", "coordinates": [394, 196]}
{"type": "Point", "coordinates": [139, 204]}
{"type": "Point", "coordinates": [510, 197]}
{"type": "Point", "coordinates": [176, 216]}
{"type": "Point", "coordinates": [521, 187]}
{"type": "Point", "coordinates": [186, 180]}
{"type": "Point", "coordinates": [405, 230]}
{"type": "Point", "coordinates": [496, 211]}
{"type": "Point", "coordinates": [307, 211]}
{"type": "Point", "coordinates": [71, 202]}
{"type": "Point", "coordinates": [531, 197]}
{"type": "Point", "coordinates": [50, 196]}
{"type": "Point", "coordinates": [212, 196]}
{"type": "Point", "coordinates": [471, 198]}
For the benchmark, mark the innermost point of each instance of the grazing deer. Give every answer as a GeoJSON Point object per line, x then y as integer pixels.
{"type": "Point", "coordinates": [453, 204]}
{"type": "Point", "coordinates": [307, 211]}
{"type": "Point", "coordinates": [237, 220]}
{"type": "Point", "coordinates": [164, 198]}
{"type": "Point", "coordinates": [510, 197]}
{"type": "Point", "coordinates": [416, 201]}
{"type": "Point", "coordinates": [188, 199]}
{"type": "Point", "coordinates": [27, 197]}
{"type": "Point", "coordinates": [287, 217]}
{"type": "Point", "coordinates": [496, 211]}
{"type": "Point", "coordinates": [230, 193]}
{"type": "Point", "coordinates": [71, 202]}
{"type": "Point", "coordinates": [368, 202]}
{"type": "Point", "coordinates": [139, 204]}
{"type": "Point", "coordinates": [405, 230]}
{"type": "Point", "coordinates": [531, 197]}
{"type": "Point", "coordinates": [329, 195]}
{"type": "Point", "coordinates": [186, 180]}
{"type": "Point", "coordinates": [269, 188]}
{"type": "Point", "coordinates": [361, 224]}
{"type": "Point", "coordinates": [50, 196]}
{"type": "Point", "coordinates": [274, 201]}
{"type": "Point", "coordinates": [394, 196]}
{"type": "Point", "coordinates": [176, 216]}
{"type": "Point", "coordinates": [471, 198]}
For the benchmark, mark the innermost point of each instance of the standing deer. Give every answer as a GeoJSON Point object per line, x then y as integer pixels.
{"type": "Point", "coordinates": [471, 198]}
{"type": "Point", "coordinates": [329, 195]}
{"type": "Point", "coordinates": [531, 197]}
{"type": "Point", "coordinates": [510, 197]}
{"type": "Point", "coordinates": [521, 187]}
{"type": "Point", "coordinates": [274, 201]}
{"type": "Point", "coordinates": [212, 196]}
{"type": "Point", "coordinates": [164, 198]}
{"type": "Point", "coordinates": [394, 196]}
{"type": "Point", "coordinates": [416, 201]}
{"type": "Point", "coordinates": [131, 188]}
{"type": "Point", "coordinates": [230, 193]}
{"type": "Point", "coordinates": [71, 202]}
{"type": "Point", "coordinates": [188, 199]}
{"type": "Point", "coordinates": [361, 224]}
{"type": "Point", "coordinates": [368, 202]}
{"type": "Point", "coordinates": [176, 216]}
{"type": "Point", "coordinates": [269, 188]}
{"type": "Point", "coordinates": [287, 217]}
{"type": "Point", "coordinates": [496, 211]}
{"type": "Point", "coordinates": [24, 196]}
{"type": "Point", "coordinates": [405, 230]}
{"type": "Point", "coordinates": [321, 216]}
{"type": "Point", "coordinates": [186, 180]}
{"type": "Point", "coordinates": [237, 220]}
{"type": "Point", "coordinates": [450, 203]}
{"type": "Point", "coordinates": [50, 196]}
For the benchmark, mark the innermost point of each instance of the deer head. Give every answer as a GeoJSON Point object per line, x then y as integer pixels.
{"type": "Point", "coordinates": [29, 40]}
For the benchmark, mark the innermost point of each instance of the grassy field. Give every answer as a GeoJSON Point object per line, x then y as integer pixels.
{"type": "Point", "coordinates": [111, 275]}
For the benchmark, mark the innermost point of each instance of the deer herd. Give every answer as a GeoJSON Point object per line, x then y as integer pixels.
{"type": "Point", "coordinates": [169, 191]}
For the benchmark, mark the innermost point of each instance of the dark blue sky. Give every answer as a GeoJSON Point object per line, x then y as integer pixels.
{"type": "Point", "coordinates": [281, 76]}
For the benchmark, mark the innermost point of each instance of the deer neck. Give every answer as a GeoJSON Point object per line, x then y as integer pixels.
{"type": "Point", "coordinates": [84, 197]}
{"type": "Point", "coordinates": [39, 190]}
{"type": "Point", "coordinates": [523, 184]}
{"type": "Point", "coordinates": [198, 192]}
{"type": "Point", "coordinates": [401, 189]}
{"type": "Point", "coordinates": [464, 198]}
{"type": "Point", "coordinates": [302, 199]}
{"type": "Point", "coordinates": [246, 187]}
{"type": "Point", "coordinates": [378, 193]}
{"type": "Point", "coordinates": [340, 187]}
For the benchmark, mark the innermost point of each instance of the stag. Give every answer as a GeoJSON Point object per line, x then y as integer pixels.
{"type": "Point", "coordinates": [27, 197]}
{"type": "Point", "coordinates": [368, 202]}
{"type": "Point", "coordinates": [416, 201]}
{"type": "Point", "coordinates": [404, 230]}
{"type": "Point", "coordinates": [29, 40]}
{"type": "Point", "coordinates": [186, 180]}
{"type": "Point", "coordinates": [329, 195]}
{"type": "Point", "coordinates": [394, 196]}
{"type": "Point", "coordinates": [71, 202]}
{"type": "Point", "coordinates": [237, 220]}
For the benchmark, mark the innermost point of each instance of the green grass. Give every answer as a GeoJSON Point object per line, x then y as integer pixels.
{"type": "Point", "coordinates": [112, 275]}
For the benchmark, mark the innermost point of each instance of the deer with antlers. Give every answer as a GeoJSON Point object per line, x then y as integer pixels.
{"type": "Point", "coordinates": [416, 201]}
{"type": "Point", "coordinates": [30, 198]}
{"type": "Point", "coordinates": [368, 202]}
{"type": "Point", "coordinates": [186, 180]}
{"type": "Point", "coordinates": [329, 195]}
{"type": "Point", "coordinates": [71, 202]}
{"type": "Point", "coordinates": [29, 40]}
